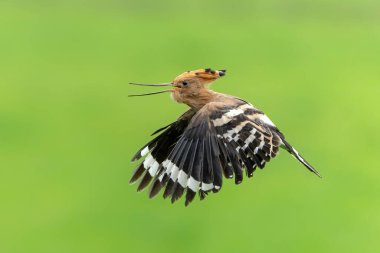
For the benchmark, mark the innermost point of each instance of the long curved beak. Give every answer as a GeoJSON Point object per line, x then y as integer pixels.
{"type": "Point", "coordinates": [152, 93]}
{"type": "Point", "coordinates": [155, 84]}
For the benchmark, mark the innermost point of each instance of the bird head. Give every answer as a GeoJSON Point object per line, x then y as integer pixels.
{"type": "Point", "coordinates": [190, 87]}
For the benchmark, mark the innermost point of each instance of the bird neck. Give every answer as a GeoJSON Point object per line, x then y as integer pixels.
{"type": "Point", "coordinates": [196, 99]}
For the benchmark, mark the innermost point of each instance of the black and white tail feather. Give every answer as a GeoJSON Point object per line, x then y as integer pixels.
{"type": "Point", "coordinates": [193, 154]}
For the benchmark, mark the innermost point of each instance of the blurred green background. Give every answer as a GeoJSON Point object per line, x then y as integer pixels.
{"type": "Point", "coordinates": [68, 129]}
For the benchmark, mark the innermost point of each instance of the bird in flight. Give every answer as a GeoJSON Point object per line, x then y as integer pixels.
{"type": "Point", "coordinates": [218, 136]}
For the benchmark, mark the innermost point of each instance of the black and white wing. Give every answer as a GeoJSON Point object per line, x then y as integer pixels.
{"type": "Point", "coordinates": [253, 135]}
{"type": "Point", "coordinates": [192, 155]}
{"type": "Point", "coordinates": [157, 150]}
{"type": "Point", "coordinates": [186, 159]}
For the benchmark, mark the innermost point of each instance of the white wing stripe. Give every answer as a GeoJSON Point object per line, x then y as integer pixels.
{"type": "Point", "coordinates": [250, 139]}
{"type": "Point", "coordinates": [144, 151]}
{"type": "Point", "coordinates": [236, 130]}
{"type": "Point", "coordinates": [182, 179]}
{"type": "Point", "coordinates": [175, 172]}
{"type": "Point", "coordinates": [207, 187]}
{"type": "Point", "coordinates": [148, 162]}
{"type": "Point", "coordinates": [264, 118]}
{"type": "Point", "coordinates": [228, 116]}
{"type": "Point", "coordinates": [193, 184]}
{"type": "Point", "coordinates": [153, 169]}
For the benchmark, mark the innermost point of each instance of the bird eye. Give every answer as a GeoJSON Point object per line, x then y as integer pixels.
{"type": "Point", "coordinates": [185, 83]}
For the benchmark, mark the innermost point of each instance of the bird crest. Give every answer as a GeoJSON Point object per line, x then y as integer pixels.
{"type": "Point", "coordinates": [206, 74]}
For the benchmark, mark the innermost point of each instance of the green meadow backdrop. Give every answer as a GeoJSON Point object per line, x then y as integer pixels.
{"type": "Point", "coordinates": [68, 129]}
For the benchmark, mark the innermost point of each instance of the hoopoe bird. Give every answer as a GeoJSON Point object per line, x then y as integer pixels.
{"type": "Point", "coordinates": [220, 135]}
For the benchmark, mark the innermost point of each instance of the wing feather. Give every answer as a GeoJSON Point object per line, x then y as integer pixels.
{"type": "Point", "coordinates": [193, 154]}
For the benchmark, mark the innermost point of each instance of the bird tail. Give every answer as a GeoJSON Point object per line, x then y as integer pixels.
{"type": "Point", "coordinates": [296, 155]}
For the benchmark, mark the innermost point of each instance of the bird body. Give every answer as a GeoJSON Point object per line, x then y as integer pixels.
{"type": "Point", "coordinates": [219, 136]}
